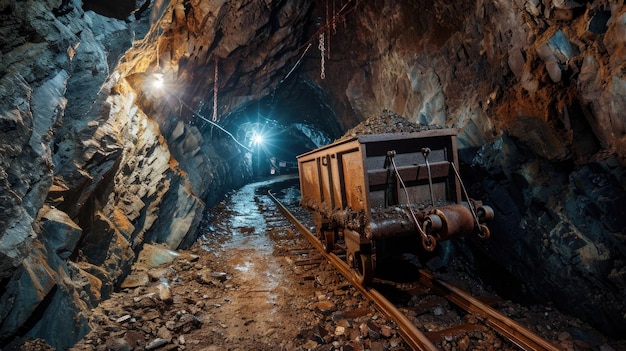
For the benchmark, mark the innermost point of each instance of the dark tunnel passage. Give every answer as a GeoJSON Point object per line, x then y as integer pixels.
{"type": "Point", "coordinates": [295, 118]}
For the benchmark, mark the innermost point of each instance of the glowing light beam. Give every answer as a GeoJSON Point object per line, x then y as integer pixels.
{"type": "Point", "coordinates": [257, 139]}
{"type": "Point", "coordinates": [157, 83]}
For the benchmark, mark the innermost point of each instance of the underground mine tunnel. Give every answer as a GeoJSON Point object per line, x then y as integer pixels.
{"type": "Point", "coordinates": [122, 123]}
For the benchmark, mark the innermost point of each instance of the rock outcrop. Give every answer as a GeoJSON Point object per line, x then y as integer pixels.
{"type": "Point", "coordinates": [543, 78]}
{"type": "Point", "coordinates": [87, 176]}
{"type": "Point", "coordinates": [94, 162]}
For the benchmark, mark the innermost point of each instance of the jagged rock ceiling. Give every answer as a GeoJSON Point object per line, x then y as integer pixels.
{"type": "Point", "coordinates": [95, 161]}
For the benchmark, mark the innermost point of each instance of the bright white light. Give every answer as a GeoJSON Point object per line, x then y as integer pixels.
{"type": "Point", "coordinates": [257, 139]}
{"type": "Point", "coordinates": [158, 81]}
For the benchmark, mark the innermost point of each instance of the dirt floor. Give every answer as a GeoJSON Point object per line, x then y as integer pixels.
{"type": "Point", "coordinates": [253, 283]}
{"type": "Point", "coordinates": [245, 285]}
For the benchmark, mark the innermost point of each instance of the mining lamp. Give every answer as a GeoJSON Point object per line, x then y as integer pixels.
{"type": "Point", "coordinates": [157, 81]}
{"type": "Point", "coordinates": [257, 139]}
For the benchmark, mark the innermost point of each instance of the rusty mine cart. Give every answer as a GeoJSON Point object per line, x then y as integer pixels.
{"type": "Point", "coordinates": [371, 189]}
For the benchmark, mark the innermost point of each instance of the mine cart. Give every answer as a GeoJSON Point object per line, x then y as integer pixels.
{"type": "Point", "coordinates": [369, 189]}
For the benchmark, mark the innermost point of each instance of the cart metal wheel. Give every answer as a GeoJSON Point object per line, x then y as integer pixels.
{"type": "Point", "coordinates": [328, 241]}
{"type": "Point", "coordinates": [326, 236]}
{"type": "Point", "coordinates": [363, 269]}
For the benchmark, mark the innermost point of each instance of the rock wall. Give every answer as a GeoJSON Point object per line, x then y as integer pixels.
{"type": "Point", "coordinates": [538, 84]}
{"type": "Point", "coordinates": [94, 163]}
{"type": "Point", "coordinates": [485, 66]}
{"type": "Point", "coordinates": [86, 175]}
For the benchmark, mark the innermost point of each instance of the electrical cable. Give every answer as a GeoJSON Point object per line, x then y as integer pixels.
{"type": "Point", "coordinates": [296, 64]}
{"type": "Point", "coordinates": [212, 123]}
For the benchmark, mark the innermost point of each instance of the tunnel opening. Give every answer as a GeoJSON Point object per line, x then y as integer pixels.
{"type": "Point", "coordinates": [295, 118]}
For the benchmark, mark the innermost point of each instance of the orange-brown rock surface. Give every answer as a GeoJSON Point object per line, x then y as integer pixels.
{"type": "Point", "coordinates": [536, 86]}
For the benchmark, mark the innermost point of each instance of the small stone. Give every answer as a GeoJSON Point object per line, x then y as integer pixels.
{"type": "Point", "coordinates": [163, 333]}
{"type": "Point", "coordinates": [205, 276]}
{"type": "Point", "coordinates": [339, 330]}
{"type": "Point", "coordinates": [158, 273]}
{"type": "Point", "coordinates": [141, 297]}
{"type": "Point", "coordinates": [150, 315]}
{"type": "Point", "coordinates": [221, 276]}
{"type": "Point", "coordinates": [156, 343]}
{"type": "Point", "coordinates": [165, 294]}
{"type": "Point", "coordinates": [188, 322]}
{"type": "Point", "coordinates": [123, 318]}
{"type": "Point", "coordinates": [386, 331]}
{"type": "Point", "coordinates": [373, 331]}
{"type": "Point", "coordinates": [118, 344]}
{"type": "Point", "coordinates": [564, 336]}
{"type": "Point", "coordinates": [155, 256]}
{"type": "Point", "coordinates": [135, 280]}
{"type": "Point", "coordinates": [326, 307]}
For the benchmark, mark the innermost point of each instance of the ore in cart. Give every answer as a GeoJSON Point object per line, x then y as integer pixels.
{"type": "Point", "coordinates": [371, 189]}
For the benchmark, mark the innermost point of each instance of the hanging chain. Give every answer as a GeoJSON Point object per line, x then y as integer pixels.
{"type": "Point", "coordinates": [215, 85]}
{"type": "Point", "coordinates": [322, 48]}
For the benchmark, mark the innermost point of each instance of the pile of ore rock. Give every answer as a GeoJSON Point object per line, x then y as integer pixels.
{"type": "Point", "coordinates": [386, 122]}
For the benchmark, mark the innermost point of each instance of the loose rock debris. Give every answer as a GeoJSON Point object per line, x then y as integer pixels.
{"type": "Point", "coordinates": [236, 290]}
{"type": "Point", "coordinates": [253, 283]}
{"type": "Point", "coordinates": [386, 122]}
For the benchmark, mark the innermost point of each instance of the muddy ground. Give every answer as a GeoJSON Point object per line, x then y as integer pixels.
{"type": "Point", "coordinates": [251, 282]}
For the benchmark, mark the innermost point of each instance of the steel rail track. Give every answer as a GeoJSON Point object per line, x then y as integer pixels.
{"type": "Point", "coordinates": [516, 333]}
{"type": "Point", "coordinates": [412, 336]}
